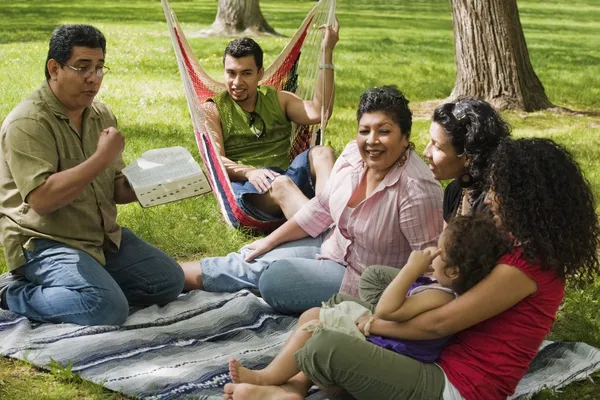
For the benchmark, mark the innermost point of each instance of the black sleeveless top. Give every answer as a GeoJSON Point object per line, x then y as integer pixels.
{"type": "Point", "coordinates": [452, 195]}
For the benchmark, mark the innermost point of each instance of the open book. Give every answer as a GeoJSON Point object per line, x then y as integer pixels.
{"type": "Point", "coordinates": [163, 175]}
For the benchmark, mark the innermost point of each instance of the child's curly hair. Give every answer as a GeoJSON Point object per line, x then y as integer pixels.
{"type": "Point", "coordinates": [473, 244]}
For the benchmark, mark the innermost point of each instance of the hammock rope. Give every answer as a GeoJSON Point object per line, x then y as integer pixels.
{"type": "Point", "coordinates": [295, 70]}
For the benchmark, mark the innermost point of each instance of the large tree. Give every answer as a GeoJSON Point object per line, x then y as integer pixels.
{"type": "Point", "coordinates": [492, 61]}
{"type": "Point", "coordinates": [237, 17]}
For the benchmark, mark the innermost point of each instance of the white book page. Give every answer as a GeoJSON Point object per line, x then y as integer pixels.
{"type": "Point", "coordinates": [160, 166]}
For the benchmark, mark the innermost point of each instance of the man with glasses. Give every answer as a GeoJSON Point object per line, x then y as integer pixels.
{"type": "Point", "coordinates": [60, 181]}
{"type": "Point", "coordinates": [251, 125]}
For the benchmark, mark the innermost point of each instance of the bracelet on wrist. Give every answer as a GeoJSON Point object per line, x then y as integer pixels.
{"type": "Point", "coordinates": [327, 66]}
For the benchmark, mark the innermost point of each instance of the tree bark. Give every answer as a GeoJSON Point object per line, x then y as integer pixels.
{"type": "Point", "coordinates": [240, 17]}
{"type": "Point", "coordinates": [492, 61]}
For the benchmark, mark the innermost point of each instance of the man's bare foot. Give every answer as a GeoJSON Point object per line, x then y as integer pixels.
{"type": "Point", "coordinates": [244, 391]}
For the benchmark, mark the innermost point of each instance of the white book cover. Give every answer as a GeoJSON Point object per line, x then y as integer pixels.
{"type": "Point", "coordinates": [163, 175]}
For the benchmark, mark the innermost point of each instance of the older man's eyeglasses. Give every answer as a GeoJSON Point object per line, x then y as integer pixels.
{"type": "Point", "coordinates": [86, 72]}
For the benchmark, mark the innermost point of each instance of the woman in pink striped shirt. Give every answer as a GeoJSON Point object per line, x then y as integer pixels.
{"type": "Point", "coordinates": [462, 138]}
{"type": "Point", "coordinates": [380, 203]}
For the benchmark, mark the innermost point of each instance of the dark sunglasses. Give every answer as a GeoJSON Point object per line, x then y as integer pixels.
{"type": "Point", "coordinates": [256, 124]}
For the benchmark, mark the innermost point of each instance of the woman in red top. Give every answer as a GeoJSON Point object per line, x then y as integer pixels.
{"type": "Point", "coordinates": [539, 195]}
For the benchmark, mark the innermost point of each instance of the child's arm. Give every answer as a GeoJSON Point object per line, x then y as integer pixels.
{"type": "Point", "coordinates": [417, 304]}
{"type": "Point", "coordinates": [394, 305]}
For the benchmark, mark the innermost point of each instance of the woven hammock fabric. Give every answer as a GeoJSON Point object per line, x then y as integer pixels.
{"type": "Point", "coordinates": [294, 70]}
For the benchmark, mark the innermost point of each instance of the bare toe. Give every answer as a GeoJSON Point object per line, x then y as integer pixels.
{"type": "Point", "coordinates": [228, 390]}
{"type": "Point", "coordinates": [234, 366]}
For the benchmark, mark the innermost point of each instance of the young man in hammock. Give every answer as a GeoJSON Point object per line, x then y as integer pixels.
{"type": "Point", "coordinates": [60, 181]}
{"type": "Point", "coordinates": [251, 126]}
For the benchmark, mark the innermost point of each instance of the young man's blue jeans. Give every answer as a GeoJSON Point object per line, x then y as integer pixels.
{"type": "Point", "coordinates": [61, 284]}
{"type": "Point", "coordinates": [299, 172]}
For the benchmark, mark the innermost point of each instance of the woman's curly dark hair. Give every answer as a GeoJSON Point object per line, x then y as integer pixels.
{"type": "Point", "coordinates": [547, 205]}
{"type": "Point", "coordinates": [473, 244]}
{"type": "Point", "coordinates": [475, 129]}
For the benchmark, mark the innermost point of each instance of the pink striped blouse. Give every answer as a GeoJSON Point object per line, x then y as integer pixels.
{"type": "Point", "coordinates": [403, 213]}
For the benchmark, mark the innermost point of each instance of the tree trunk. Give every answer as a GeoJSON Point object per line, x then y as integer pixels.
{"type": "Point", "coordinates": [240, 17]}
{"type": "Point", "coordinates": [492, 61]}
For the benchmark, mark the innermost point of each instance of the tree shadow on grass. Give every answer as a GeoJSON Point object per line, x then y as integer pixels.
{"type": "Point", "coordinates": [35, 19]}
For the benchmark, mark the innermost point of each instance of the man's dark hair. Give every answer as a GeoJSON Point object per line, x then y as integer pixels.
{"type": "Point", "coordinates": [65, 37]}
{"type": "Point", "coordinates": [243, 47]}
{"type": "Point", "coordinates": [388, 100]}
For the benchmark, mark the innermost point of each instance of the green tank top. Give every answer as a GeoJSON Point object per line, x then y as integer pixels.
{"type": "Point", "coordinates": [258, 139]}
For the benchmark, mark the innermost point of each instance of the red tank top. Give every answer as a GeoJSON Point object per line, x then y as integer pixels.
{"type": "Point", "coordinates": [487, 361]}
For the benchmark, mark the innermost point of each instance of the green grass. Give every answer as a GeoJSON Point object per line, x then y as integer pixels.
{"type": "Point", "coordinates": [408, 43]}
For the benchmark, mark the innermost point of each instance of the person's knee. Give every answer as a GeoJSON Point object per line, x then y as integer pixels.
{"type": "Point", "coordinates": [281, 187]}
{"type": "Point", "coordinates": [174, 282]}
{"type": "Point", "coordinates": [371, 285]}
{"type": "Point", "coordinates": [271, 290]}
{"type": "Point", "coordinates": [322, 354]}
{"type": "Point", "coordinates": [321, 155]}
{"type": "Point", "coordinates": [168, 285]}
{"type": "Point", "coordinates": [269, 287]}
{"type": "Point", "coordinates": [310, 315]}
{"type": "Point", "coordinates": [104, 307]}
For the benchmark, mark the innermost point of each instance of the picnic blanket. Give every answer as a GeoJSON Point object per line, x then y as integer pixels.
{"type": "Point", "coordinates": [181, 350]}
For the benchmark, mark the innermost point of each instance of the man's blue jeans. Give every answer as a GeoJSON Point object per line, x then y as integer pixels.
{"type": "Point", "coordinates": [288, 277]}
{"type": "Point", "coordinates": [61, 284]}
{"type": "Point", "coordinates": [299, 172]}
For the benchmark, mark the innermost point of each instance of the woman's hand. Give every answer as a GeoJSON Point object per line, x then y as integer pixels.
{"type": "Point", "coordinates": [258, 248]}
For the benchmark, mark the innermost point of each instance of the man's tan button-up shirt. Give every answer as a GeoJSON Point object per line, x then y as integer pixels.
{"type": "Point", "coordinates": [37, 140]}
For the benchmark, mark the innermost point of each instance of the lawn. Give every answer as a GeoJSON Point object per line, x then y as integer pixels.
{"type": "Point", "coordinates": [407, 43]}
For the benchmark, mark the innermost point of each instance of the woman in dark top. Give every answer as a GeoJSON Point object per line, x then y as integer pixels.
{"type": "Point", "coordinates": [463, 136]}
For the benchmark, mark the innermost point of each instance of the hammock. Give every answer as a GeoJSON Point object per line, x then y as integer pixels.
{"type": "Point", "coordinates": [287, 72]}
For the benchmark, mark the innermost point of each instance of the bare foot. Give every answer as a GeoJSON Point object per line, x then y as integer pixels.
{"type": "Point", "coordinates": [241, 374]}
{"type": "Point", "coordinates": [244, 391]}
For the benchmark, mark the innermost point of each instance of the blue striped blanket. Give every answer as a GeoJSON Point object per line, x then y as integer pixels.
{"type": "Point", "coordinates": [182, 349]}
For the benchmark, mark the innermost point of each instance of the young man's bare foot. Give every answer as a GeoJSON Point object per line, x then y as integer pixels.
{"type": "Point", "coordinates": [245, 391]}
{"type": "Point", "coordinates": [241, 374]}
